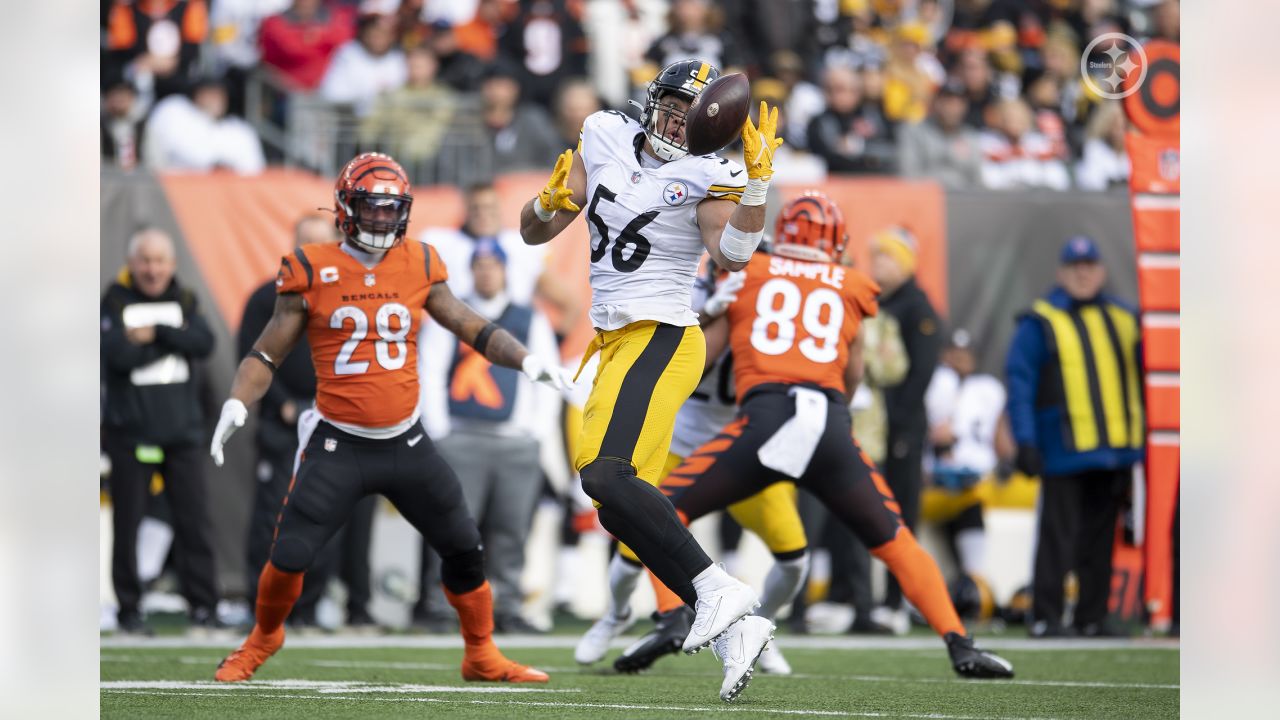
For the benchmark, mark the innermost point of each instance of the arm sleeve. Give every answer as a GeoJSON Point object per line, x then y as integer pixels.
{"type": "Point", "coordinates": [118, 354]}
{"type": "Point", "coordinates": [1022, 374]}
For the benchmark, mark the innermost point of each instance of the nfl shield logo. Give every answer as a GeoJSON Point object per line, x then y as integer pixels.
{"type": "Point", "coordinates": [635, 177]}
{"type": "Point", "coordinates": [330, 444]}
{"type": "Point", "coordinates": [1170, 164]}
{"type": "Point", "coordinates": [369, 280]}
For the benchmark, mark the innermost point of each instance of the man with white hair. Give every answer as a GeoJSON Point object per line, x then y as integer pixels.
{"type": "Point", "coordinates": [151, 335]}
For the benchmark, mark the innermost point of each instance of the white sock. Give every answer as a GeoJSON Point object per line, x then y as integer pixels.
{"type": "Point", "coordinates": [782, 584]}
{"type": "Point", "coordinates": [623, 576]}
{"type": "Point", "coordinates": [971, 546]}
{"type": "Point", "coordinates": [713, 578]}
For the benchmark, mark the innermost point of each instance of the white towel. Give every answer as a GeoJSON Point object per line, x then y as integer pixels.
{"type": "Point", "coordinates": [307, 422]}
{"type": "Point", "coordinates": [791, 447]}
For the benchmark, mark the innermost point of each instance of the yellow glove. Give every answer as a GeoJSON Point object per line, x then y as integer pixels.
{"type": "Point", "coordinates": [555, 196]}
{"type": "Point", "coordinates": [758, 143]}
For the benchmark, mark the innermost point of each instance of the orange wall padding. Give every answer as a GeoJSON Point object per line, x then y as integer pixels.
{"type": "Point", "coordinates": [238, 227]}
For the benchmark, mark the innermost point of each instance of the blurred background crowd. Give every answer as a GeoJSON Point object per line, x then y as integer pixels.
{"type": "Point", "coordinates": [971, 93]}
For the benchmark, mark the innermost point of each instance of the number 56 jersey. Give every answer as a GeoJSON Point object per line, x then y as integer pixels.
{"type": "Point", "coordinates": [363, 325]}
{"type": "Point", "coordinates": [793, 322]}
{"type": "Point", "coordinates": [642, 217]}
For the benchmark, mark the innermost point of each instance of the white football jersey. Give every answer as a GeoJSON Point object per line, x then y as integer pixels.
{"type": "Point", "coordinates": [642, 217]}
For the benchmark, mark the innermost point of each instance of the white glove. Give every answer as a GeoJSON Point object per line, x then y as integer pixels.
{"type": "Point", "coordinates": [233, 417]}
{"type": "Point", "coordinates": [555, 376]}
{"type": "Point", "coordinates": [726, 292]}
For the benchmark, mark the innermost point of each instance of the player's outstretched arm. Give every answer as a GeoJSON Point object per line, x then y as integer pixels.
{"type": "Point", "coordinates": [731, 236]}
{"type": "Point", "coordinates": [545, 216]}
{"type": "Point", "coordinates": [496, 344]}
{"type": "Point", "coordinates": [253, 377]}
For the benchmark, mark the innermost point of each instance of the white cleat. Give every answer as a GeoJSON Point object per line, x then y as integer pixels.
{"type": "Point", "coordinates": [716, 610]}
{"type": "Point", "coordinates": [739, 648]}
{"type": "Point", "coordinates": [595, 642]}
{"type": "Point", "coordinates": [772, 662]}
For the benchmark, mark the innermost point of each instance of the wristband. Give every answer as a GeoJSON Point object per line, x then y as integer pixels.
{"type": "Point", "coordinates": [482, 337]}
{"type": "Point", "coordinates": [543, 215]}
{"type": "Point", "coordinates": [737, 245]}
{"type": "Point", "coordinates": [756, 192]}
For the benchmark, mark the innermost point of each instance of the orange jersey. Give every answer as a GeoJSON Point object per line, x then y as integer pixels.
{"type": "Point", "coordinates": [793, 321]}
{"type": "Point", "coordinates": [363, 327]}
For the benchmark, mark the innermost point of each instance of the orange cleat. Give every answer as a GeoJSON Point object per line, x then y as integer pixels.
{"type": "Point", "coordinates": [241, 664]}
{"type": "Point", "coordinates": [496, 668]}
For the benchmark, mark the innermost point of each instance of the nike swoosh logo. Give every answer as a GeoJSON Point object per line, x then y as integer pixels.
{"type": "Point", "coordinates": [741, 655]}
{"type": "Point", "coordinates": [415, 440]}
{"type": "Point", "coordinates": [735, 174]}
{"type": "Point", "coordinates": [710, 618]}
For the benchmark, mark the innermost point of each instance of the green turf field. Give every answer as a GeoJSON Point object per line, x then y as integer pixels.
{"type": "Point", "coordinates": [835, 677]}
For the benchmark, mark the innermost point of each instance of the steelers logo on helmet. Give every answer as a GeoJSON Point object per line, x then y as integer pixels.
{"type": "Point", "coordinates": [372, 201]}
{"type": "Point", "coordinates": [663, 119]}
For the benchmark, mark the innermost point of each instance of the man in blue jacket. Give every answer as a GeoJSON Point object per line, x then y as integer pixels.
{"type": "Point", "coordinates": [1075, 405]}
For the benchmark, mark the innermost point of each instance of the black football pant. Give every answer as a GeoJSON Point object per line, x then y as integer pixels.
{"type": "Point", "coordinates": [1077, 531]}
{"type": "Point", "coordinates": [338, 470]}
{"type": "Point", "coordinates": [183, 473]}
{"type": "Point", "coordinates": [904, 471]}
{"type": "Point", "coordinates": [839, 473]}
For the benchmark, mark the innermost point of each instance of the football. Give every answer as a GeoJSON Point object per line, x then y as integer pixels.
{"type": "Point", "coordinates": [715, 118]}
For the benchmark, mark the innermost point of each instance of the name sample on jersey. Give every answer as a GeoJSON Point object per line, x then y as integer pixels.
{"type": "Point", "coordinates": [357, 297]}
{"type": "Point", "coordinates": [826, 273]}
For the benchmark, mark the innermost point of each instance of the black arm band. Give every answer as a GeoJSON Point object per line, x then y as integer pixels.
{"type": "Point", "coordinates": [482, 337]}
{"type": "Point", "coordinates": [263, 357]}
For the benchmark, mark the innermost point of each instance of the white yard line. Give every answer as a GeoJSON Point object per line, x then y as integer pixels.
{"type": "Point", "coordinates": [323, 686]}
{"type": "Point", "coordinates": [600, 706]}
{"type": "Point", "coordinates": [799, 642]}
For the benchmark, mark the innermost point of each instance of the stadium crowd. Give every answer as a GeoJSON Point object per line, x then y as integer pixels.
{"type": "Point", "coordinates": [972, 93]}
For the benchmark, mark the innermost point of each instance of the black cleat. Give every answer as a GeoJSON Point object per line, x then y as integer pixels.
{"type": "Point", "coordinates": [971, 661]}
{"type": "Point", "coordinates": [665, 639]}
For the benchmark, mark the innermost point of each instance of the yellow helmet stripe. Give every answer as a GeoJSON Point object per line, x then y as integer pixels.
{"type": "Point", "coordinates": [703, 70]}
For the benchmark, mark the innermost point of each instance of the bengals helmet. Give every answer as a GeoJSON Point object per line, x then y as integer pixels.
{"type": "Point", "coordinates": [371, 201]}
{"type": "Point", "coordinates": [685, 79]}
{"type": "Point", "coordinates": [810, 227]}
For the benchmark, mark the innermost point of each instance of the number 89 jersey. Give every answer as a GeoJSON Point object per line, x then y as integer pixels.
{"type": "Point", "coordinates": [642, 216]}
{"type": "Point", "coordinates": [794, 319]}
{"type": "Point", "coordinates": [363, 325]}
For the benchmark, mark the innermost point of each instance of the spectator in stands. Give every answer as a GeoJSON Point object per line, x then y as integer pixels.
{"type": "Point", "coordinates": [459, 69]}
{"type": "Point", "coordinates": [1167, 20]}
{"type": "Point", "coordinates": [236, 49]}
{"type": "Point", "coordinates": [299, 42]}
{"type": "Point", "coordinates": [911, 75]}
{"type": "Point", "coordinates": [1075, 408]}
{"type": "Point", "coordinates": [122, 122]}
{"type": "Point", "coordinates": [154, 43]}
{"type": "Point", "coordinates": [487, 422]}
{"type": "Point", "coordinates": [196, 134]}
{"type": "Point", "coordinates": [575, 100]}
{"type": "Point", "coordinates": [293, 390]}
{"type": "Point", "coordinates": [1016, 156]}
{"type": "Point", "coordinates": [1061, 57]}
{"type": "Point", "coordinates": [893, 266]}
{"type": "Point", "coordinates": [522, 133]}
{"type": "Point", "coordinates": [479, 35]}
{"type": "Point", "coordinates": [1105, 162]}
{"type": "Point", "coordinates": [801, 100]}
{"type": "Point", "coordinates": [943, 147]}
{"type": "Point", "coordinates": [546, 39]}
{"type": "Point", "coordinates": [366, 67]}
{"type": "Point", "coordinates": [794, 165]}
{"type": "Point", "coordinates": [1044, 97]}
{"type": "Point", "coordinates": [852, 134]}
{"type": "Point", "coordinates": [412, 122]}
{"type": "Point", "coordinates": [695, 31]}
{"type": "Point", "coordinates": [974, 72]}
{"type": "Point", "coordinates": [152, 338]}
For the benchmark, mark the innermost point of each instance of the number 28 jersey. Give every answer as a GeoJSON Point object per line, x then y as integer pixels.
{"type": "Point", "coordinates": [642, 217]}
{"type": "Point", "coordinates": [794, 319]}
{"type": "Point", "coordinates": [363, 325]}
